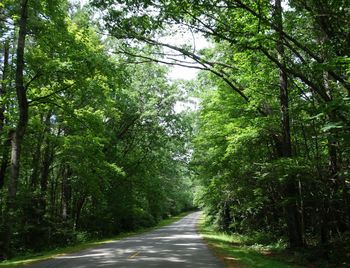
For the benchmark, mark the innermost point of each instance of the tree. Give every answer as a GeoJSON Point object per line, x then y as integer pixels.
{"type": "Point", "coordinates": [264, 30]}
{"type": "Point", "coordinates": [102, 140]}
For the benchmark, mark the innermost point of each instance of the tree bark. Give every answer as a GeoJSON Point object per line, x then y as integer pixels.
{"type": "Point", "coordinates": [18, 133]}
{"type": "Point", "coordinates": [66, 194]}
{"type": "Point", "coordinates": [293, 217]}
{"type": "Point", "coordinates": [46, 163]}
{"type": "Point", "coordinates": [5, 160]}
{"type": "Point", "coordinates": [79, 206]}
{"type": "Point", "coordinates": [4, 83]}
{"type": "Point", "coordinates": [36, 162]}
{"type": "Point", "coordinates": [5, 153]}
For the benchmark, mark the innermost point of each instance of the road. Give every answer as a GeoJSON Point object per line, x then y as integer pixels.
{"type": "Point", "coordinates": [176, 245]}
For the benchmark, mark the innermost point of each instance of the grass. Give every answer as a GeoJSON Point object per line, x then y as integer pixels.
{"type": "Point", "coordinates": [24, 260]}
{"type": "Point", "coordinates": [231, 249]}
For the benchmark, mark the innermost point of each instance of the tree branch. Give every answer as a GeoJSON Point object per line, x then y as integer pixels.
{"type": "Point", "coordinates": [39, 99]}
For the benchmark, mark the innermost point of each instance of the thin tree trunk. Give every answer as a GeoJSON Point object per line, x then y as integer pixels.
{"type": "Point", "coordinates": [66, 194]}
{"type": "Point", "coordinates": [5, 153]}
{"type": "Point", "coordinates": [293, 213]}
{"type": "Point", "coordinates": [46, 163]}
{"type": "Point", "coordinates": [4, 83]}
{"type": "Point", "coordinates": [307, 149]}
{"type": "Point", "coordinates": [36, 162]}
{"type": "Point", "coordinates": [5, 160]}
{"type": "Point", "coordinates": [346, 197]}
{"type": "Point", "coordinates": [79, 206]}
{"type": "Point", "coordinates": [64, 198]}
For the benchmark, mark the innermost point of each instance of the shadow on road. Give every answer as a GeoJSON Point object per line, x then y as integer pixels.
{"type": "Point", "coordinates": [177, 245]}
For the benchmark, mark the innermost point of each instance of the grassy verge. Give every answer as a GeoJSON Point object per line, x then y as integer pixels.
{"type": "Point", "coordinates": [231, 249]}
{"type": "Point", "coordinates": [31, 258]}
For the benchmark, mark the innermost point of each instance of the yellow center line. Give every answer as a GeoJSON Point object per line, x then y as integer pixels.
{"type": "Point", "coordinates": [133, 255]}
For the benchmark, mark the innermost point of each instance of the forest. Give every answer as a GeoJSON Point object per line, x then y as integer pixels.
{"type": "Point", "coordinates": [93, 142]}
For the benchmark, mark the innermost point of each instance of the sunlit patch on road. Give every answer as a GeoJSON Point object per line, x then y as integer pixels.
{"type": "Point", "coordinates": [177, 245]}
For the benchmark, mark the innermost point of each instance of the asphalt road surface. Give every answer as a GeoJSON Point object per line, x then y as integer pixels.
{"type": "Point", "coordinates": [176, 245]}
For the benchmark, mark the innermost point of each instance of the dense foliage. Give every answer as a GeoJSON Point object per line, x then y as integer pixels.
{"type": "Point", "coordinates": [101, 143]}
{"type": "Point", "coordinates": [91, 144]}
{"type": "Point", "coordinates": [271, 151]}
{"type": "Point", "coordinates": [278, 161]}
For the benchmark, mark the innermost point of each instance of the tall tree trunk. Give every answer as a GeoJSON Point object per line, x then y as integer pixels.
{"type": "Point", "coordinates": [18, 133]}
{"type": "Point", "coordinates": [293, 214]}
{"type": "Point", "coordinates": [5, 160]}
{"type": "Point", "coordinates": [5, 153]}
{"type": "Point", "coordinates": [333, 181]}
{"type": "Point", "coordinates": [66, 194]}
{"type": "Point", "coordinates": [79, 206]}
{"type": "Point", "coordinates": [4, 83]}
{"type": "Point", "coordinates": [46, 163]}
{"type": "Point", "coordinates": [35, 166]}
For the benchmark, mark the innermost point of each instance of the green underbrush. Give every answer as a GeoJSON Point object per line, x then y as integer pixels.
{"type": "Point", "coordinates": [241, 251]}
{"type": "Point", "coordinates": [29, 258]}
{"type": "Point", "coordinates": [257, 250]}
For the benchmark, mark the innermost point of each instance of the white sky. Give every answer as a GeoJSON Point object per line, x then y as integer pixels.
{"type": "Point", "coordinates": [197, 41]}
{"type": "Point", "coordinates": [178, 72]}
